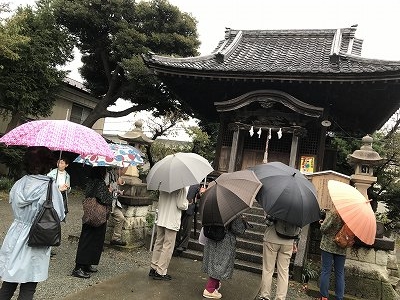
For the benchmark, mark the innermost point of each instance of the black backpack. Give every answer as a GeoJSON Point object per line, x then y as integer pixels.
{"type": "Point", "coordinates": [287, 230]}
{"type": "Point", "coordinates": [214, 232]}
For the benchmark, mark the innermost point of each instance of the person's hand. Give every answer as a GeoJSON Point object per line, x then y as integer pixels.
{"type": "Point", "coordinates": [295, 247]}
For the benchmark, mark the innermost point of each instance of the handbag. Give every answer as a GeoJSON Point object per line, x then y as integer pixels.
{"type": "Point", "coordinates": [46, 228]}
{"type": "Point", "coordinates": [345, 237]}
{"type": "Point", "coordinates": [95, 214]}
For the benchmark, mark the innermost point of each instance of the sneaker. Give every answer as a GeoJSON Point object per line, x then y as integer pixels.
{"type": "Point", "coordinates": [117, 243]}
{"type": "Point", "coordinates": [157, 276]}
{"type": "Point", "coordinates": [213, 295]}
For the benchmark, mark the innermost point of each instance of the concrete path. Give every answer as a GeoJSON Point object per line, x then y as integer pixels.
{"type": "Point", "coordinates": [187, 283]}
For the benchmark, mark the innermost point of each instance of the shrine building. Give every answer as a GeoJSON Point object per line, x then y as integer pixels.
{"type": "Point", "coordinates": [279, 95]}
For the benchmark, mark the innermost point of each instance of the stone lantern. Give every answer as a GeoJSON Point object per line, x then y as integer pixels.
{"type": "Point", "coordinates": [364, 161]}
{"type": "Point", "coordinates": [136, 200]}
{"type": "Point", "coordinates": [136, 137]}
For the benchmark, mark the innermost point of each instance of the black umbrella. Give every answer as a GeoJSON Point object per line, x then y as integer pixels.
{"type": "Point", "coordinates": [287, 194]}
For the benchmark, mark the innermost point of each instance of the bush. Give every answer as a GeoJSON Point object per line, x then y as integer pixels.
{"type": "Point", "coordinates": [6, 184]}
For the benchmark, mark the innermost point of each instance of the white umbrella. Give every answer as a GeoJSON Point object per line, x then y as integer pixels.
{"type": "Point", "coordinates": [176, 171]}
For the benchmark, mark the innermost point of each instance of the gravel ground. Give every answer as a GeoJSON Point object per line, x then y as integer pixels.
{"type": "Point", "coordinates": [112, 263]}
{"type": "Point", "coordinates": [60, 282]}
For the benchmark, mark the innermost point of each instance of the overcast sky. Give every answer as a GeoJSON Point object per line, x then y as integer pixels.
{"type": "Point", "coordinates": [378, 21]}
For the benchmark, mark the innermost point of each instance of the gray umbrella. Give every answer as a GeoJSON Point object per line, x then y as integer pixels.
{"type": "Point", "coordinates": [176, 171]}
{"type": "Point", "coordinates": [228, 196]}
{"type": "Point", "coordinates": [287, 194]}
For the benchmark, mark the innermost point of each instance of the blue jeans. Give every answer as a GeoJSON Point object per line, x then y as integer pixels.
{"type": "Point", "coordinates": [326, 267]}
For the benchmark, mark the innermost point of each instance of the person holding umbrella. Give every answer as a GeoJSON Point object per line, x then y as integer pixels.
{"type": "Point", "coordinates": [350, 208]}
{"type": "Point", "coordinates": [219, 258]}
{"type": "Point", "coordinates": [91, 239]}
{"type": "Point", "coordinates": [170, 207]}
{"type": "Point", "coordinates": [331, 253]}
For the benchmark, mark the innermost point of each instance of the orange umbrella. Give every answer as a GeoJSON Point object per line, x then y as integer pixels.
{"type": "Point", "coordinates": [354, 209]}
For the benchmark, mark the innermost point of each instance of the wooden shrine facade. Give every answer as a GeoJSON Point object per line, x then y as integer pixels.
{"type": "Point", "coordinates": [297, 87]}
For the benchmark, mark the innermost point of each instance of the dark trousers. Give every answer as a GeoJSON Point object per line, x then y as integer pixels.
{"type": "Point", "coordinates": [183, 235]}
{"type": "Point", "coordinates": [26, 290]}
{"type": "Point", "coordinates": [90, 246]}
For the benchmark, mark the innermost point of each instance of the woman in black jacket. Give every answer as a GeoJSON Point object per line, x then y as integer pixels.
{"type": "Point", "coordinates": [91, 240]}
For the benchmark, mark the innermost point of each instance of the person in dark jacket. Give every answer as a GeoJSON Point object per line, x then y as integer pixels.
{"type": "Point", "coordinates": [183, 235]}
{"type": "Point", "coordinates": [92, 238]}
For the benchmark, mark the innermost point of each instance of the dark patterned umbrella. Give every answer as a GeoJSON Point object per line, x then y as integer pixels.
{"type": "Point", "coordinates": [287, 194]}
{"type": "Point", "coordinates": [228, 196]}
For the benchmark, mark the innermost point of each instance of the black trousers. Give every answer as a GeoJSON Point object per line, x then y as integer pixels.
{"type": "Point", "coordinates": [183, 235]}
{"type": "Point", "coordinates": [26, 290]}
{"type": "Point", "coordinates": [90, 246]}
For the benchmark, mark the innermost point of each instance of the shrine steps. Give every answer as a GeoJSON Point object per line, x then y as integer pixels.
{"type": "Point", "coordinates": [249, 245]}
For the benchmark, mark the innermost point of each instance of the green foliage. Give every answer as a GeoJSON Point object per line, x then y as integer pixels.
{"type": "Point", "coordinates": [161, 148]}
{"type": "Point", "coordinates": [112, 36]}
{"type": "Point", "coordinates": [10, 37]}
{"type": "Point", "coordinates": [203, 143]}
{"type": "Point", "coordinates": [150, 219]}
{"type": "Point", "coordinates": [13, 158]}
{"type": "Point", "coordinates": [384, 219]}
{"type": "Point", "coordinates": [28, 85]}
{"type": "Point", "coordinates": [309, 271]}
{"type": "Point", "coordinates": [345, 147]}
{"type": "Point", "coordinates": [6, 184]}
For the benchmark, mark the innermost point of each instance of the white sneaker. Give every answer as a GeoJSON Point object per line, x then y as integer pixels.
{"type": "Point", "coordinates": [213, 295]}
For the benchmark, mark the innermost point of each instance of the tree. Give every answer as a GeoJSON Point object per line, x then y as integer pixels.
{"type": "Point", "coordinates": [112, 36]}
{"type": "Point", "coordinates": [29, 84]}
{"type": "Point", "coordinates": [10, 37]}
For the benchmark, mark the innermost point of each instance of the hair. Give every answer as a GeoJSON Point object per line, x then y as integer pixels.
{"type": "Point", "coordinates": [38, 160]}
{"type": "Point", "coordinates": [98, 173]}
{"type": "Point", "coordinates": [65, 159]}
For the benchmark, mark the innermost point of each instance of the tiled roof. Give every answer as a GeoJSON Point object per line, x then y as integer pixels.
{"type": "Point", "coordinates": [318, 52]}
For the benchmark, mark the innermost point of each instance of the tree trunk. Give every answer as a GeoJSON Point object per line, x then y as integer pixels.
{"type": "Point", "coordinates": [14, 122]}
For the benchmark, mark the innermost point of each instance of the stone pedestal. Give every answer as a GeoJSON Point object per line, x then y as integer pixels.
{"type": "Point", "coordinates": [137, 202]}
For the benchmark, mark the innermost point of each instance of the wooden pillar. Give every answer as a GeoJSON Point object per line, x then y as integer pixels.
{"type": "Point", "coordinates": [234, 149]}
{"type": "Point", "coordinates": [222, 130]}
{"type": "Point", "coordinates": [321, 149]}
{"type": "Point", "coordinates": [293, 150]}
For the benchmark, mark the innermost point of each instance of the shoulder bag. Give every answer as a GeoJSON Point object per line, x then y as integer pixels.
{"type": "Point", "coordinates": [46, 228]}
{"type": "Point", "coordinates": [95, 214]}
{"type": "Point", "coordinates": [345, 237]}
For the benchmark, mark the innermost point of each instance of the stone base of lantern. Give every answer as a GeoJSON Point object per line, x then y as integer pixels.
{"type": "Point", "coordinates": [136, 203]}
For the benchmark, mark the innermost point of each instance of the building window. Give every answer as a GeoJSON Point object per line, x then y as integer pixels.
{"type": "Point", "coordinates": [79, 113]}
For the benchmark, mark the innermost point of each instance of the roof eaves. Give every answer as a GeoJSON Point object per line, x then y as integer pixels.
{"type": "Point", "coordinates": [170, 59]}
{"type": "Point", "coordinates": [372, 61]}
{"type": "Point", "coordinates": [280, 76]}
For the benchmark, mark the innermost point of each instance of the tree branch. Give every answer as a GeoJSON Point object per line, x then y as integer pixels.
{"type": "Point", "coordinates": [123, 113]}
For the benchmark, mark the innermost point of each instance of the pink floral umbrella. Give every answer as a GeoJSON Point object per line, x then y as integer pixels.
{"type": "Point", "coordinates": [61, 135]}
